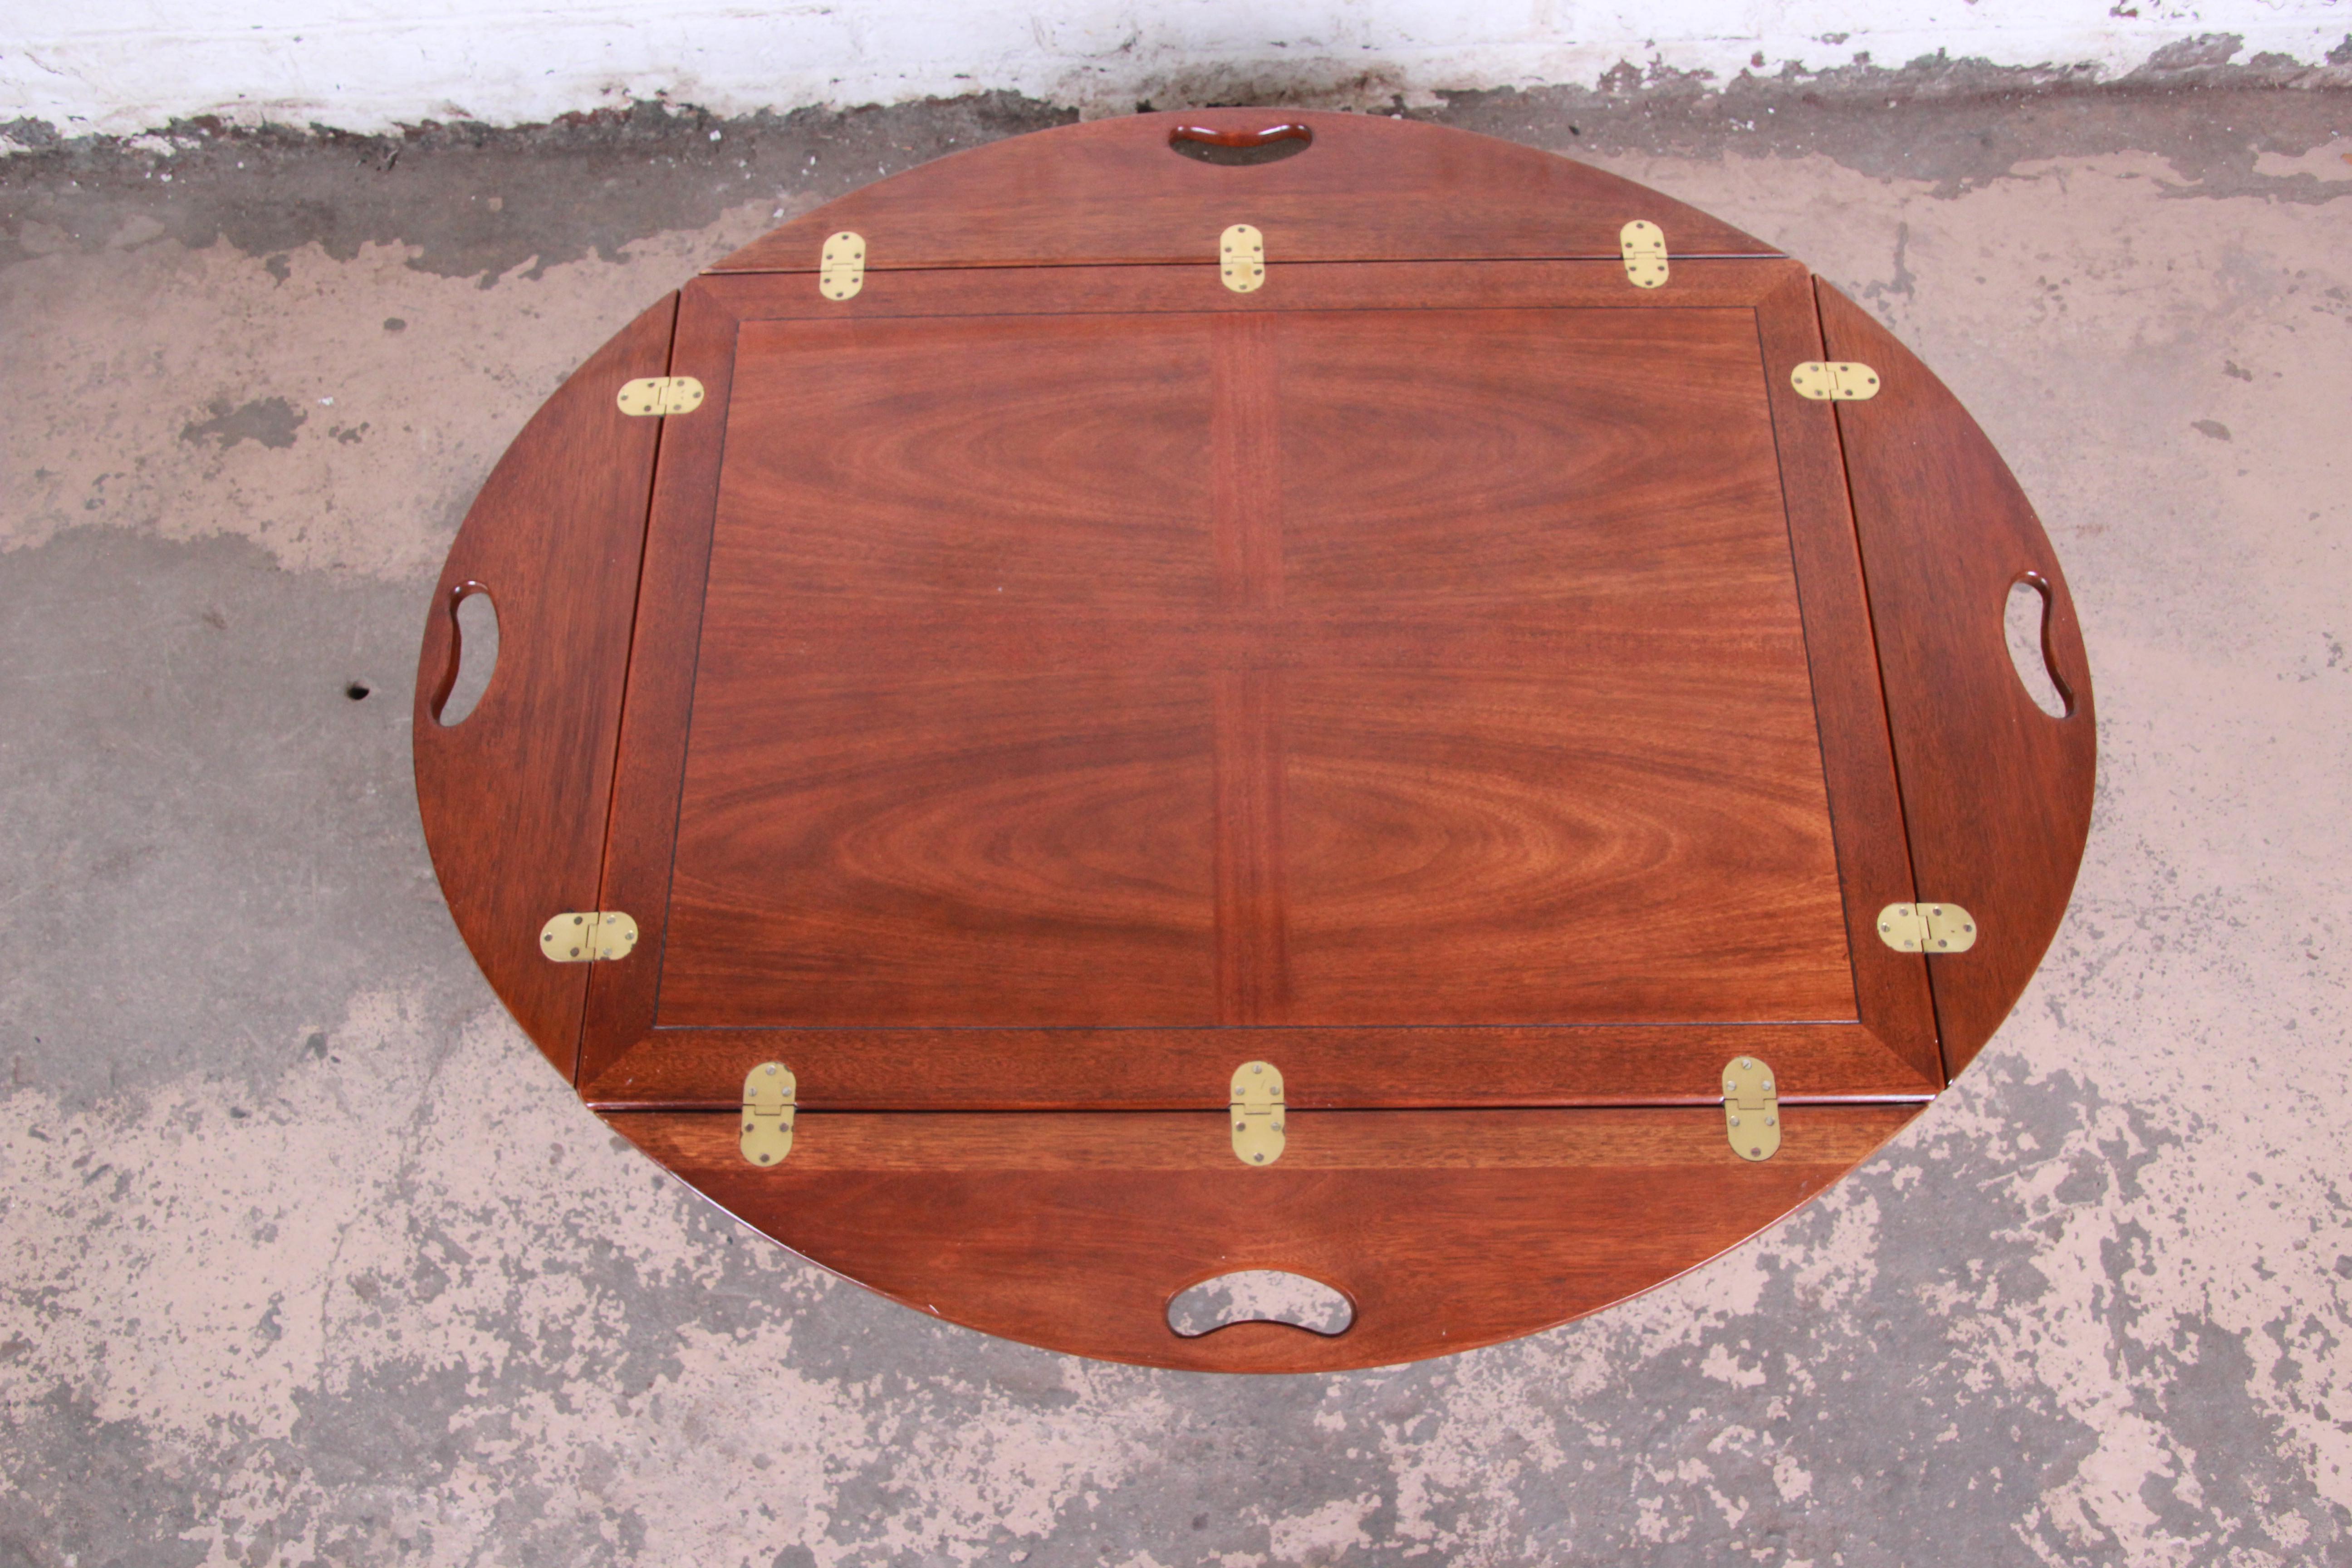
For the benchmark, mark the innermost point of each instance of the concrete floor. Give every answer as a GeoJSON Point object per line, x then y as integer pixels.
{"type": "Point", "coordinates": [305, 1256]}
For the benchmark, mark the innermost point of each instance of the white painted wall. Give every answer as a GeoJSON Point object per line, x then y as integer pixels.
{"type": "Point", "coordinates": [123, 66]}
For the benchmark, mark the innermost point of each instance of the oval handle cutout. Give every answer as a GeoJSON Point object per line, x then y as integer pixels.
{"type": "Point", "coordinates": [473, 654]}
{"type": "Point", "coordinates": [1260, 1296]}
{"type": "Point", "coordinates": [2026, 623]}
{"type": "Point", "coordinates": [1241, 149]}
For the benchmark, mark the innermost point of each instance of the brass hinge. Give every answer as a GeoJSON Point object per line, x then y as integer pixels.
{"type": "Point", "coordinates": [583, 936]}
{"type": "Point", "coordinates": [1241, 258]}
{"type": "Point", "coordinates": [1834, 381]}
{"type": "Point", "coordinates": [843, 272]}
{"type": "Point", "coordinates": [1644, 246]}
{"type": "Point", "coordinates": [658, 396]}
{"type": "Point", "coordinates": [1926, 928]}
{"type": "Point", "coordinates": [1751, 1109]}
{"type": "Point", "coordinates": [1255, 1111]}
{"type": "Point", "coordinates": [770, 1098]}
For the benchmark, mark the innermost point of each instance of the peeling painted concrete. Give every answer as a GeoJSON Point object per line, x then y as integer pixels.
{"type": "Point", "coordinates": [305, 1256]}
{"type": "Point", "coordinates": [128, 65]}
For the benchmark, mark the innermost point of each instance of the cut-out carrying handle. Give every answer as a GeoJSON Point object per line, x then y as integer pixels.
{"type": "Point", "coordinates": [1244, 147]}
{"type": "Point", "coordinates": [1440, 1231]}
{"type": "Point", "coordinates": [2048, 643]}
{"type": "Point", "coordinates": [449, 647]}
{"type": "Point", "coordinates": [1209, 135]}
{"type": "Point", "coordinates": [512, 793]}
{"type": "Point", "coordinates": [1233, 1296]}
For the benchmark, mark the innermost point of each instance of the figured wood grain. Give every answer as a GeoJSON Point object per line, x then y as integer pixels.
{"type": "Point", "coordinates": [1246, 460]}
{"type": "Point", "coordinates": [1319, 1141]}
{"type": "Point", "coordinates": [1997, 794]}
{"type": "Point", "coordinates": [1011, 675]}
{"type": "Point", "coordinates": [1464, 854]}
{"type": "Point", "coordinates": [1194, 288]}
{"type": "Point", "coordinates": [1446, 1230]}
{"type": "Point", "coordinates": [659, 697]}
{"type": "Point", "coordinates": [1253, 908]}
{"type": "Point", "coordinates": [951, 841]}
{"type": "Point", "coordinates": [1248, 695]}
{"type": "Point", "coordinates": [973, 835]}
{"type": "Point", "coordinates": [1579, 839]}
{"type": "Point", "coordinates": [1464, 680]}
{"type": "Point", "coordinates": [1849, 708]}
{"type": "Point", "coordinates": [976, 849]}
{"type": "Point", "coordinates": [1155, 1070]}
{"type": "Point", "coordinates": [514, 798]}
{"type": "Point", "coordinates": [1114, 191]}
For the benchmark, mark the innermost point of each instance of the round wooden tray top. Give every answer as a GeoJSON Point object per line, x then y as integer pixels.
{"type": "Point", "coordinates": [1065, 654]}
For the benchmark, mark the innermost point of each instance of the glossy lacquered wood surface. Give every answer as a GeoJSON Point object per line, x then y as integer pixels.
{"type": "Point", "coordinates": [1044, 661]}
{"type": "Point", "coordinates": [1163, 668]}
{"type": "Point", "coordinates": [1482, 688]}
{"type": "Point", "coordinates": [1115, 191]}
{"type": "Point", "coordinates": [1873, 864]}
{"type": "Point", "coordinates": [1446, 1230]}
{"type": "Point", "coordinates": [1169, 1069]}
{"type": "Point", "coordinates": [1998, 793]}
{"type": "Point", "coordinates": [514, 797]}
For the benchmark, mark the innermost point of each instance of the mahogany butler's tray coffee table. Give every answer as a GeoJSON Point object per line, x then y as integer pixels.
{"type": "Point", "coordinates": [1046, 647]}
